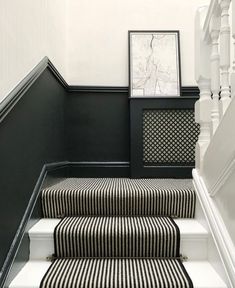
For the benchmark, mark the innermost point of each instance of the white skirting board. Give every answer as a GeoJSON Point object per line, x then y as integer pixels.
{"type": "Point", "coordinates": [217, 228]}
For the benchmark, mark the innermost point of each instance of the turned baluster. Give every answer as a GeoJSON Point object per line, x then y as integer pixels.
{"type": "Point", "coordinates": [224, 56]}
{"type": "Point", "coordinates": [215, 71]}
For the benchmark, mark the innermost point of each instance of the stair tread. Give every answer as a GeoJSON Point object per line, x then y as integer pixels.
{"type": "Point", "coordinates": [110, 183]}
{"type": "Point", "coordinates": [202, 274]}
{"type": "Point", "coordinates": [44, 228]}
{"type": "Point", "coordinates": [119, 196]}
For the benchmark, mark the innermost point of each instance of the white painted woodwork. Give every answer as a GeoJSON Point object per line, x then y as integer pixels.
{"type": "Point", "coordinates": [217, 226]}
{"type": "Point", "coordinates": [202, 48]}
{"type": "Point", "coordinates": [220, 153]}
{"type": "Point", "coordinates": [219, 169]}
{"type": "Point", "coordinates": [213, 9]}
{"type": "Point", "coordinates": [202, 76]}
{"type": "Point", "coordinates": [212, 29]}
{"type": "Point", "coordinates": [232, 77]}
{"type": "Point", "coordinates": [215, 165]}
{"type": "Point", "coordinates": [203, 116]}
{"type": "Point", "coordinates": [224, 55]}
{"type": "Point", "coordinates": [215, 70]}
{"type": "Point", "coordinates": [193, 238]}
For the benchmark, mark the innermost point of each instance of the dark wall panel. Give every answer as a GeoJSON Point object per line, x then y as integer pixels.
{"type": "Point", "coordinates": [32, 134]}
{"type": "Point", "coordinates": [97, 126]}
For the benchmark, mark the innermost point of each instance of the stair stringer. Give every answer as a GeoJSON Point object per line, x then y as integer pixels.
{"type": "Point", "coordinates": [218, 239]}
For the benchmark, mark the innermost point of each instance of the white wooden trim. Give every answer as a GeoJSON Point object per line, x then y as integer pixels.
{"type": "Point", "coordinates": [223, 177]}
{"type": "Point", "coordinates": [217, 227]}
{"type": "Point", "coordinates": [213, 9]}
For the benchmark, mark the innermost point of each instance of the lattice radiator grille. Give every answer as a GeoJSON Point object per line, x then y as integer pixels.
{"type": "Point", "coordinates": [169, 136]}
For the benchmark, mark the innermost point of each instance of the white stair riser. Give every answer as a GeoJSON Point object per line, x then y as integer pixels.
{"type": "Point", "coordinates": [41, 248]}
{"type": "Point", "coordinates": [193, 248]}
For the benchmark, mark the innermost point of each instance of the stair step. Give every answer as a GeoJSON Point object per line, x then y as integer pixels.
{"type": "Point", "coordinates": [193, 235]}
{"type": "Point", "coordinates": [202, 274]}
{"type": "Point", "coordinates": [117, 273]}
{"type": "Point", "coordinates": [120, 197]}
{"type": "Point", "coordinates": [117, 237]}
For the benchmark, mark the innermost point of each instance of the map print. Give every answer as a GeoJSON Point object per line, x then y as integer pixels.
{"type": "Point", "coordinates": [154, 64]}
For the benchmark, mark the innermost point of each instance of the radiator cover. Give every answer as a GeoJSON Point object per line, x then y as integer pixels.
{"type": "Point", "coordinates": [169, 136]}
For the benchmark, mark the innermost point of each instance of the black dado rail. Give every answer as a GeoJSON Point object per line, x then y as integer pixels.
{"type": "Point", "coordinates": [190, 91]}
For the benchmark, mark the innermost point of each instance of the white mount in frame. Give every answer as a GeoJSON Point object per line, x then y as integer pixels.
{"type": "Point", "coordinates": [154, 63]}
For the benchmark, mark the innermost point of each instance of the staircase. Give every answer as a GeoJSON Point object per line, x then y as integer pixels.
{"type": "Point", "coordinates": [118, 232]}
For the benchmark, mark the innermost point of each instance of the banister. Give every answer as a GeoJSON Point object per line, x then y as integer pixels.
{"type": "Point", "coordinates": [212, 70]}
{"type": "Point", "coordinates": [214, 176]}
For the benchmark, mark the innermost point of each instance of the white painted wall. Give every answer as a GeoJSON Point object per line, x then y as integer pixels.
{"type": "Point", "coordinates": [30, 30]}
{"type": "Point", "coordinates": [86, 40]}
{"type": "Point", "coordinates": [98, 41]}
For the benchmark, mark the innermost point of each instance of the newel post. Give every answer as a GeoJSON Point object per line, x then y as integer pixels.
{"type": "Point", "coordinates": [202, 75]}
{"type": "Point", "coordinates": [224, 56]}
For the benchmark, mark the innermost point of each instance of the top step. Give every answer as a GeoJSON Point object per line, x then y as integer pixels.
{"type": "Point", "coordinates": [119, 196]}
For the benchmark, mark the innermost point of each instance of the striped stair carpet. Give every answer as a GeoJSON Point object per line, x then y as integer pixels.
{"type": "Point", "coordinates": [116, 273]}
{"type": "Point", "coordinates": [117, 232]}
{"type": "Point", "coordinates": [117, 237]}
{"type": "Point", "coordinates": [119, 196]}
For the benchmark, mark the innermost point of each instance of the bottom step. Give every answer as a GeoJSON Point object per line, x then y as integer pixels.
{"type": "Point", "coordinates": [117, 273]}
{"type": "Point", "coordinates": [201, 272]}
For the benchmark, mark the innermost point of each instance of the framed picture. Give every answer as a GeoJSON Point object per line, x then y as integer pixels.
{"type": "Point", "coordinates": [154, 63]}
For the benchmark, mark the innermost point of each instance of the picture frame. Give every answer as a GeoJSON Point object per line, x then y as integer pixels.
{"type": "Point", "coordinates": [154, 63]}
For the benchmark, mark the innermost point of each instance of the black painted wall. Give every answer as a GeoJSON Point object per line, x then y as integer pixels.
{"type": "Point", "coordinates": [32, 134]}
{"type": "Point", "coordinates": [53, 122]}
{"type": "Point", "coordinates": [97, 126]}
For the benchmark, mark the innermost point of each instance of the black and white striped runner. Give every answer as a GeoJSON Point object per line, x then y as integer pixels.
{"type": "Point", "coordinates": [116, 273]}
{"type": "Point", "coordinates": [117, 232]}
{"type": "Point", "coordinates": [117, 237]}
{"type": "Point", "coordinates": [119, 196]}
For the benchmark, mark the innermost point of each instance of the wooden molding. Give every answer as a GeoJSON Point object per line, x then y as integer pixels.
{"type": "Point", "coordinates": [223, 177]}
{"type": "Point", "coordinates": [15, 95]}
{"type": "Point", "coordinates": [217, 227]}
{"type": "Point", "coordinates": [187, 91]}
